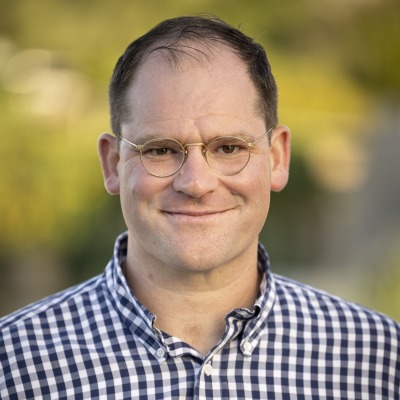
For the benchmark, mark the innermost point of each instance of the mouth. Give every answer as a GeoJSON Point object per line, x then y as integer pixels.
{"type": "Point", "coordinates": [195, 214]}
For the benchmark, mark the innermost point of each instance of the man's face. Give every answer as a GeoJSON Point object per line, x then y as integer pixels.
{"type": "Point", "coordinates": [195, 220]}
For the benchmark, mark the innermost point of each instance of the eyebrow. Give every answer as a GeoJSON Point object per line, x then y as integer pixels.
{"type": "Point", "coordinates": [248, 137]}
{"type": "Point", "coordinates": [145, 137]}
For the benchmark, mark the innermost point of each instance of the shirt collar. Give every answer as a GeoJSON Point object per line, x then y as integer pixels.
{"type": "Point", "coordinates": [140, 321]}
{"type": "Point", "coordinates": [135, 316]}
{"type": "Point", "coordinates": [262, 307]}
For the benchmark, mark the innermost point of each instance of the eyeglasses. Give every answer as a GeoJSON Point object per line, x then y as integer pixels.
{"type": "Point", "coordinates": [225, 155]}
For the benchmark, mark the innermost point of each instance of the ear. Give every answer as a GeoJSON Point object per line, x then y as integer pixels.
{"type": "Point", "coordinates": [109, 158]}
{"type": "Point", "coordinates": [280, 158]}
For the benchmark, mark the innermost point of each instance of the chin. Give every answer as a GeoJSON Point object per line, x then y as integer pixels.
{"type": "Point", "coordinates": [200, 259]}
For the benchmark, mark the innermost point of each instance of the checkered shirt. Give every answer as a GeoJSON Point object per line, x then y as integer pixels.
{"type": "Point", "coordinates": [96, 340]}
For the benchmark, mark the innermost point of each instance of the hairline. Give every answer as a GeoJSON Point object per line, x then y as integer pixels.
{"type": "Point", "coordinates": [172, 35]}
{"type": "Point", "coordinates": [172, 57]}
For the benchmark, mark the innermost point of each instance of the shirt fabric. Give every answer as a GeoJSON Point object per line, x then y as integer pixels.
{"type": "Point", "coordinates": [96, 340]}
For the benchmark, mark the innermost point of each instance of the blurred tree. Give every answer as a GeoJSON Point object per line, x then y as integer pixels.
{"type": "Point", "coordinates": [332, 59]}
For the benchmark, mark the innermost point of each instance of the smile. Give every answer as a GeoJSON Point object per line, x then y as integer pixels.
{"type": "Point", "coordinates": [195, 215]}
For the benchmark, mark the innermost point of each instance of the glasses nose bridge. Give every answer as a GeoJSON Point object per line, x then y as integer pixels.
{"type": "Point", "coordinates": [194, 144]}
{"type": "Point", "coordinates": [203, 145]}
{"type": "Point", "coordinates": [204, 150]}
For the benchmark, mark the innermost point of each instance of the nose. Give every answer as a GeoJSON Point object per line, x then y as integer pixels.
{"type": "Point", "coordinates": [195, 178]}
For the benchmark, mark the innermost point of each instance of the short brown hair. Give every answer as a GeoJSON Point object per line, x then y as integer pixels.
{"type": "Point", "coordinates": [206, 31]}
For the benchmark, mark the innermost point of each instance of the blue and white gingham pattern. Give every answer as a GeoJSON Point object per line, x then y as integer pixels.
{"type": "Point", "coordinates": [97, 341]}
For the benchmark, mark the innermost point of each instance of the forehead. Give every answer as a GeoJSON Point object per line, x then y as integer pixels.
{"type": "Point", "coordinates": [189, 85]}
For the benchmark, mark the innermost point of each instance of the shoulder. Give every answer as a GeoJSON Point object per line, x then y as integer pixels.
{"type": "Point", "coordinates": [58, 305]}
{"type": "Point", "coordinates": [319, 307]}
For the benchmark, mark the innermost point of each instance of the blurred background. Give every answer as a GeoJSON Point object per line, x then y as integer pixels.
{"type": "Point", "coordinates": [337, 63]}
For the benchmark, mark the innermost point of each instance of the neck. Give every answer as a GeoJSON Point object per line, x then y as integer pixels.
{"type": "Point", "coordinates": [192, 305]}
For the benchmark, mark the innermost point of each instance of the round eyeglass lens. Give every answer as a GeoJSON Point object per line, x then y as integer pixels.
{"type": "Point", "coordinates": [162, 157]}
{"type": "Point", "coordinates": [227, 155]}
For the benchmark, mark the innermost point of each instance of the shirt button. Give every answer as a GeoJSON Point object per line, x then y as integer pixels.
{"type": "Point", "coordinates": [160, 352]}
{"type": "Point", "coordinates": [247, 347]}
{"type": "Point", "coordinates": [208, 369]}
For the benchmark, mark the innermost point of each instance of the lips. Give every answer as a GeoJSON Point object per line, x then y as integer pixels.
{"type": "Point", "coordinates": [196, 213]}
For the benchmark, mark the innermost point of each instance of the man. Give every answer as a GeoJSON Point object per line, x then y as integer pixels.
{"type": "Point", "coordinates": [187, 307]}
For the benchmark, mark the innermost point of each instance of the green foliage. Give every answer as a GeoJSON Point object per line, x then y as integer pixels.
{"type": "Point", "coordinates": [333, 60]}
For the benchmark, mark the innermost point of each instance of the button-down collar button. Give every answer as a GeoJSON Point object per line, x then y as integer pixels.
{"type": "Point", "coordinates": [247, 348]}
{"type": "Point", "coordinates": [160, 352]}
{"type": "Point", "coordinates": [208, 369]}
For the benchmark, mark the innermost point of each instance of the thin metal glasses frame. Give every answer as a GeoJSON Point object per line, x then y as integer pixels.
{"type": "Point", "coordinates": [139, 147]}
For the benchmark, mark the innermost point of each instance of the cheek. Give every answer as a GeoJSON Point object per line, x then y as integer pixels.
{"type": "Point", "coordinates": [132, 177]}
{"type": "Point", "coordinates": [132, 188]}
{"type": "Point", "coordinates": [260, 207]}
{"type": "Point", "coordinates": [259, 190]}
{"type": "Point", "coordinates": [259, 181]}
{"type": "Point", "coordinates": [254, 192]}
{"type": "Point", "coordinates": [261, 196]}
{"type": "Point", "coordinates": [139, 190]}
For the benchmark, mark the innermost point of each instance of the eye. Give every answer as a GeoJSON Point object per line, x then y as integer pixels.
{"type": "Point", "coordinates": [228, 149]}
{"type": "Point", "coordinates": [161, 149]}
{"type": "Point", "coordinates": [228, 146]}
{"type": "Point", "coordinates": [155, 151]}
